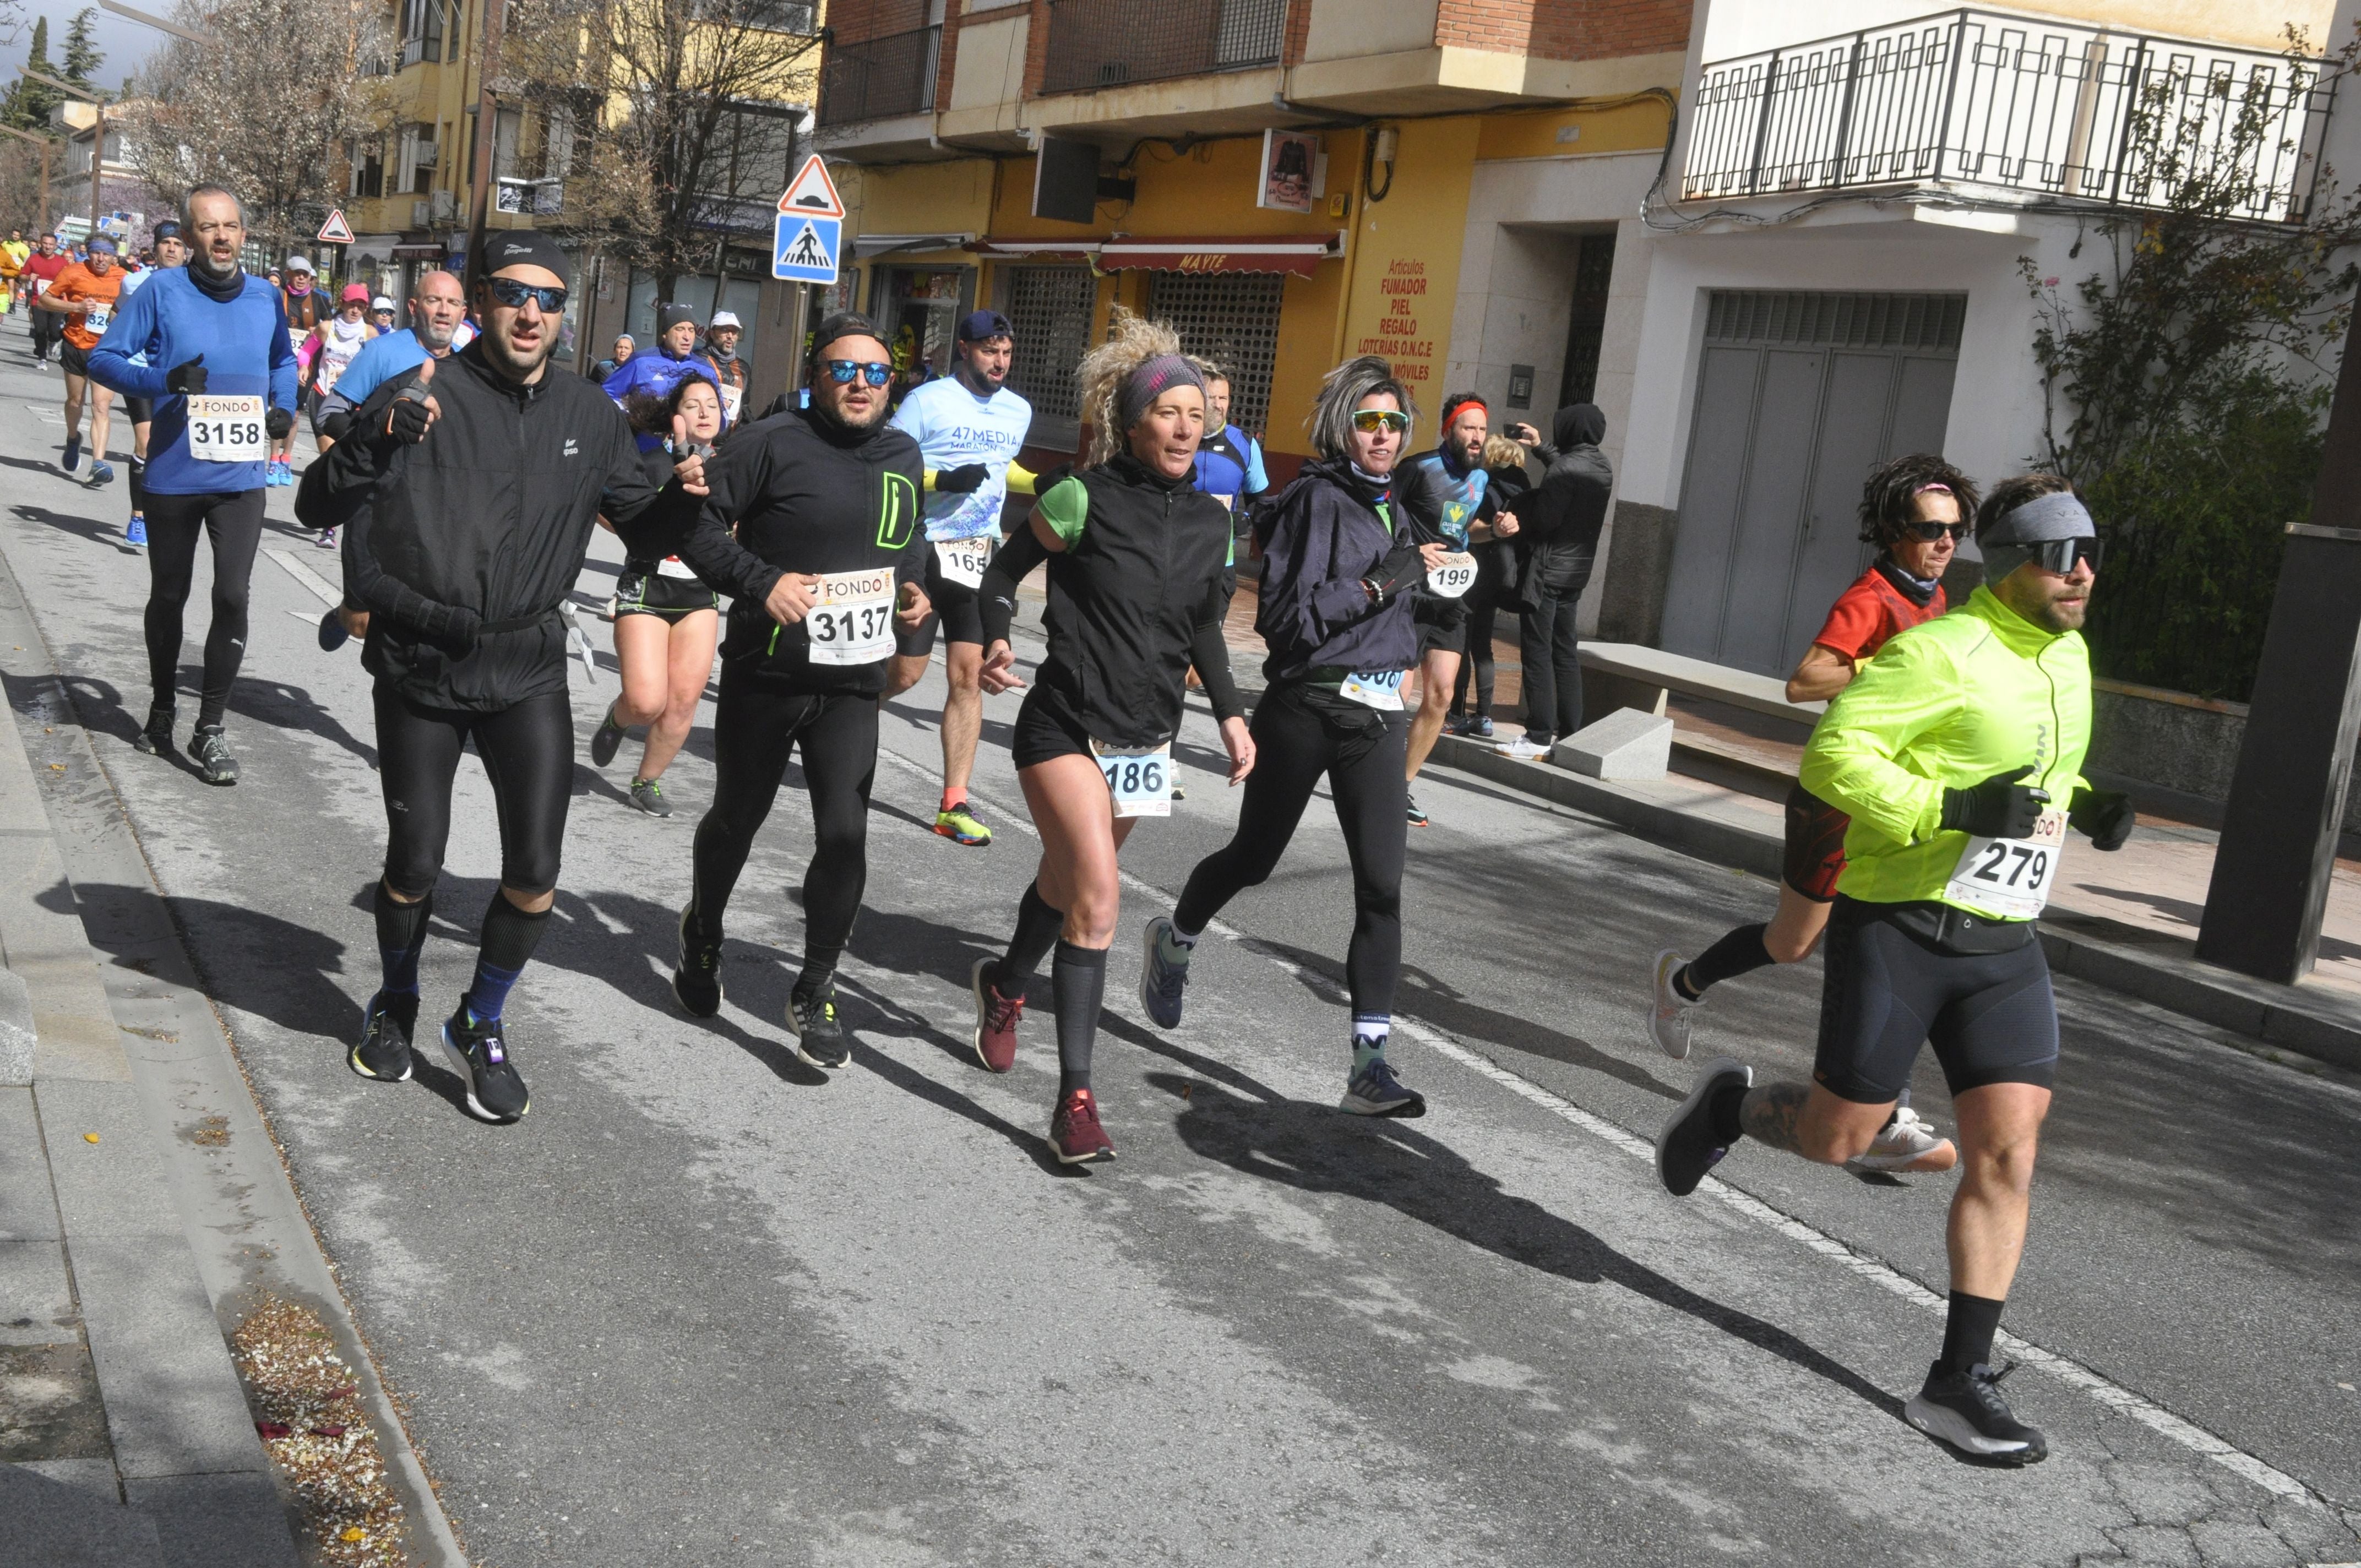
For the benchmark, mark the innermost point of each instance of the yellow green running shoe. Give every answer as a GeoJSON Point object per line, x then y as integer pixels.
{"type": "Point", "coordinates": [958, 824]}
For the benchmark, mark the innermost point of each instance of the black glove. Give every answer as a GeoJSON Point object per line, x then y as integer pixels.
{"type": "Point", "coordinates": [187, 379]}
{"type": "Point", "coordinates": [2000, 807]}
{"type": "Point", "coordinates": [278, 421]}
{"type": "Point", "coordinates": [965, 479]}
{"type": "Point", "coordinates": [338, 425]}
{"type": "Point", "coordinates": [2104, 813]}
{"type": "Point", "coordinates": [1044, 483]}
{"type": "Point", "coordinates": [406, 420]}
{"type": "Point", "coordinates": [1406, 567]}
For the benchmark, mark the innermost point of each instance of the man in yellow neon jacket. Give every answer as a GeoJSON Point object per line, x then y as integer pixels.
{"type": "Point", "coordinates": [1957, 751]}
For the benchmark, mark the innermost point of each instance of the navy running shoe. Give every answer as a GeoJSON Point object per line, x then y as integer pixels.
{"type": "Point", "coordinates": [496, 1092]}
{"type": "Point", "coordinates": [73, 454]}
{"type": "Point", "coordinates": [1161, 980]}
{"type": "Point", "coordinates": [1688, 1146]}
{"type": "Point", "coordinates": [1376, 1092]}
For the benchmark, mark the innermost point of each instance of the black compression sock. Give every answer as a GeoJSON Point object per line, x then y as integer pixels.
{"type": "Point", "coordinates": [510, 935]}
{"type": "Point", "coordinates": [1968, 1332]}
{"type": "Point", "coordinates": [1726, 1106]}
{"type": "Point", "coordinates": [1740, 952]}
{"type": "Point", "coordinates": [1038, 925]}
{"type": "Point", "coordinates": [400, 934]}
{"type": "Point", "coordinates": [1077, 988]}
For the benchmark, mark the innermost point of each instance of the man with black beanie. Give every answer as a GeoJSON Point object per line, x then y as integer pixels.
{"type": "Point", "coordinates": [1559, 521]}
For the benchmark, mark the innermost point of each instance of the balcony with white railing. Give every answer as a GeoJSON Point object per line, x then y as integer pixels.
{"type": "Point", "coordinates": [2013, 109]}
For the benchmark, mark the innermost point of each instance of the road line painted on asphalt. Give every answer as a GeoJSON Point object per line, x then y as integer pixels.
{"type": "Point", "coordinates": [2116, 1398]}
{"type": "Point", "coordinates": [330, 594]}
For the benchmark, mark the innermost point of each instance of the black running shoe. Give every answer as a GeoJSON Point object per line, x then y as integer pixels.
{"type": "Point", "coordinates": [214, 765]}
{"type": "Point", "coordinates": [820, 1040]}
{"type": "Point", "coordinates": [696, 979]}
{"type": "Point", "coordinates": [476, 1047]}
{"type": "Point", "coordinates": [1687, 1147]}
{"type": "Point", "coordinates": [1965, 1409]}
{"type": "Point", "coordinates": [1417, 817]}
{"type": "Point", "coordinates": [333, 634]}
{"type": "Point", "coordinates": [157, 739]}
{"type": "Point", "coordinates": [384, 1050]}
{"type": "Point", "coordinates": [607, 739]}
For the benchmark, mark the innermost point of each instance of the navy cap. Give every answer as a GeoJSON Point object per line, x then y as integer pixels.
{"type": "Point", "coordinates": [983, 327]}
{"type": "Point", "coordinates": [504, 248]}
{"type": "Point", "coordinates": [168, 229]}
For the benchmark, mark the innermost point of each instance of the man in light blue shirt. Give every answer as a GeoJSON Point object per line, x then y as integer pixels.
{"type": "Point", "coordinates": [435, 311]}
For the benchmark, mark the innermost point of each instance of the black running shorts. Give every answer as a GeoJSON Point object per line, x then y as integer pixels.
{"type": "Point", "coordinates": [71, 360]}
{"type": "Point", "coordinates": [1441, 625]}
{"type": "Point", "coordinates": [643, 590]}
{"type": "Point", "coordinates": [1885, 992]}
{"type": "Point", "coordinates": [958, 610]}
{"type": "Point", "coordinates": [1047, 727]}
{"type": "Point", "coordinates": [1814, 853]}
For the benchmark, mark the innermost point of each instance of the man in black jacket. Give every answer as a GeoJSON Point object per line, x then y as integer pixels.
{"type": "Point", "coordinates": [1558, 524]}
{"type": "Point", "coordinates": [829, 549]}
{"type": "Point", "coordinates": [467, 491]}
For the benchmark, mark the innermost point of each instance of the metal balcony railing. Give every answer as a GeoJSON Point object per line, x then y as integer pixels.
{"type": "Point", "coordinates": [2038, 107]}
{"type": "Point", "coordinates": [874, 79]}
{"type": "Point", "coordinates": [1108, 43]}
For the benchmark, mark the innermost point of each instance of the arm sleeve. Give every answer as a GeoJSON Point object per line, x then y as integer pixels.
{"type": "Point", "coordinates": [1020, 479]}
{"type": "Point", "coordinates": [732, 475]}
{"type": "Point", "coordinates": [283, 384]}
{"type": "Point", "coordinates": [132, 331]}
{"type": "Point", "coordinates": [1011, 564]}
{"type": "Point", "coordinates": [910, 564]}
{"type": "Point", "coordinates": [1850, 760]}
{"type": "Point", "coordinates": [1210, 652]}
{"type": "Point", "coordinates": [1066, 508]}
{"type": "Point", "coordinates": [341, 488]}
{"type": "Point", "coordinates": [650, 519]}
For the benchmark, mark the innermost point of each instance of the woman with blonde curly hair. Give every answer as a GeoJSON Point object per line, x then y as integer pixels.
{"type": "Point", "coordinates": [1136, 553]}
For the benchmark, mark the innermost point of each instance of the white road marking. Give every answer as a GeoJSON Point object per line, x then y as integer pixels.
{"type": "Point", "coordinates": [330, 594]}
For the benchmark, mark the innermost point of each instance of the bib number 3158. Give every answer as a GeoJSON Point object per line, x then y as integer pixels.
{"type": "Point", "coordinates": [852, 620]}
{"type": "Point", "coordinates": [2012, 876]}
{"type": "Point", "coordinates": [227, 429]}
{"type": "Point", "coordinates": [1139, 777]}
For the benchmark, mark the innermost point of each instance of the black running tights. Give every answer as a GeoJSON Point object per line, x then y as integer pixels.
{"type": "Point", "coordinates": [528, 753]}
{"type": "Point", "coordinates": [755, 723]}
{"type": "Point", "coordinates": [233, 520]}
{"type": "Point", "coordinates": [1302, 734]}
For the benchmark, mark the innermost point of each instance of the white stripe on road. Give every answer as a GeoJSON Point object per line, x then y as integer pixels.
{"type": "Point", "coordinates": [2187, 1434]}
{"type": "Point", "coordinates": [330, 594]}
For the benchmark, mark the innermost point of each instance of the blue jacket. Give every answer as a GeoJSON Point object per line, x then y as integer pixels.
{"type": "Point", "coordinates": [656, 373]}
{"type": "Point", "coordinates": [169, 323]}
{"type": "Point", "coordinates": [1328, 530]}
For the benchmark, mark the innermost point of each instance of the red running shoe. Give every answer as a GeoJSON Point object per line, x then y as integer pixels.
{"type": "Point", "coordinates": [1074, 1130]}
{"type": "Point", "coordinates": [995, 1020]}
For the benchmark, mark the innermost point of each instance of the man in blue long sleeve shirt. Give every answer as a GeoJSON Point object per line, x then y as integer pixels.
{"type": "Point", "coordinates": [656, 371]}
{"type": "Point", "coordinates": [207, 345]}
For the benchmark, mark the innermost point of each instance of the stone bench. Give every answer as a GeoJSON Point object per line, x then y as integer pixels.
{"type": "Point", "coordinates": [1625, 674]}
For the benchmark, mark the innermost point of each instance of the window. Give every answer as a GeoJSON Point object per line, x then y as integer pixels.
{"type": "Point", "coordinates": [1594, 269]}
{"type": "Point", "coordinates": [557, 143]}
{"type": "Point", "coordinates": [415, 159]}
{"type": "Point", "coordinates": [368, 171]}
{"type": "Point", "coordinates": [1050, 309]}
{"type": "Point", "coordinates": [1232, 319]}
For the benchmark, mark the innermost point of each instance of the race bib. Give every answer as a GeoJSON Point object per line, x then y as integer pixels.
{"type": "Point", "coordinates": [1139, 777]}
{"type": "Point", "coordinates": [1374, 688]}
{"type": "Point", "coordinates": [98, 317]}
{"type": "Point", "coordinates": [295, 336]}
{"type": "Point", "coordinates": [2012, 876]}
{"type": "Point", "coordinates": [852, 623]}
{"type": "Point", "coordinates": [40, 285]}
{"type": "Point", "coordinates": [964, 560]}
{"type": "Point", "coordinates": [227, 429]}
{"type": "Point", "coordinates": [674, 566]}
{"type": "Point", "coordinates": [1454, 574]}
{"type": "Point", "coordinates": [733, 400]}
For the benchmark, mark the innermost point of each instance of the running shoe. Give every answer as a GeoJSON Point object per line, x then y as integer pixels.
{"type": "Point", "coordinates": [214, 765]}
{"type": "Point", "coordinates": [1903, 1142]}
{"type": "Point", "coordinates": [607, 739]}
{"type": "Point", "coordinates": [1668, 1019]}
{"type": "Point", "coordinates": [135, 532]}
{"type": "Point", "coordinates": [157, 738]}
{"type": "Point", "coordinates": [997, 1017]}
{"type": "Point", "coordinates": [480, 1051]}
{"type": "Point", "coordinates": [696, 979]}
{"type": "Point", "coordinates": [1417, 817]}
{"type": "Point", "coordinates": [1686, 1148]}
{"type": "Point", "coordinates": [282, 472]}
{"type": "Point", "coordinates": [1480, 728]}
{"type": "Point", "coordinates": [328, 540]}
{"type": "Point", "coordinates": [1965, 1409]}
{"type": "Point", "coordinates": [958, 824]}
{"type": "Point", "coordinates": [384, 1050]}
{"type": "Point", "coordinates": [1074, 1130]}
{"type": "Point", "coordinates": [333, 634]}
{"type": "Point", "coordinates": [73, 454]}
{"type": "Point", "coordinates": [1376, 1092]}
{"type": "Point", "coordinates": [1161, 980]}
{"type": "Point", "coordinates": [1180, 790]}
{"type": "Point", "coordinates": [1525, 748]}
{"type": "Point", "coordinates": [820, 1040]}
{"type": "Point", "coordinates": [648, 796]}
{"type": "Point", "coordinates": [101, 473]}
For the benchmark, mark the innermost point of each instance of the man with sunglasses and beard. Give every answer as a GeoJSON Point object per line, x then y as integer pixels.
{"type": "Point", "coordinates": [1958, 753]}
{"type": "Point", "coordinates": [468, 489]}
{"type": "Point", "coordinates": [824, 570]}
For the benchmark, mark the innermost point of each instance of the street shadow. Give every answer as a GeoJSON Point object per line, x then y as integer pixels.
{"type": "Point", "coordinates": [89, 528]}
{"type": "Point", "coordinates": [1314, 1149]}
{"type": "Point", "coordinates": [285, 707]}
{"type": "Point", "coordinates": [2193, 915]}
{"type": "Point", "coordinates": [942, 1096]}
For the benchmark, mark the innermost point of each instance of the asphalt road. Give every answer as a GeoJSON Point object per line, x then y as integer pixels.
{"type": "Point", "coordinates": [703, 1305]}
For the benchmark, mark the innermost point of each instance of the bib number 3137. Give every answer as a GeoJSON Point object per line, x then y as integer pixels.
{"type": "Point", "coordinates": [1139, 777]}
{"type": "Point", "coordinates": [227, 429]}
{"type": "Point", "coordinates": [2012, 876]}
{"type": "Point", "coordinates": [852, 620]}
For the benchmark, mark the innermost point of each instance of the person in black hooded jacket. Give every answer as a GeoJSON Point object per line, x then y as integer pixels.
{"type": "Point", "coordinates": [1558, 525]}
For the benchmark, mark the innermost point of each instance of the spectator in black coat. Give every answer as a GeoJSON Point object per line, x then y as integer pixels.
{"type": "Point", "coordinates": [1558, 523]}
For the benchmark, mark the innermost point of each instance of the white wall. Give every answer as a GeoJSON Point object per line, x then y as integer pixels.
{"type": "Point", "coordinates": [1746, 27]}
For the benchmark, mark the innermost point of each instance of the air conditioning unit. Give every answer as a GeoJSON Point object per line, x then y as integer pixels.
{"type": "Point", "coordinates": [420, 214]}
{"type": "Point", "coordinates": [447, 207]}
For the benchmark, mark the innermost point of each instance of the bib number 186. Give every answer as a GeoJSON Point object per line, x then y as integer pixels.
{"type": "Point", "coordinates": [1140, 778]}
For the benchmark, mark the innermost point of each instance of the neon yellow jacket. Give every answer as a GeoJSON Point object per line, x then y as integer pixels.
{"type": "Point", "coordinates": [1943, 706]}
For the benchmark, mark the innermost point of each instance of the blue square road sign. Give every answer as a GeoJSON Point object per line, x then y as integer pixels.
{"type": "Point", "coordinates": [803, 249]}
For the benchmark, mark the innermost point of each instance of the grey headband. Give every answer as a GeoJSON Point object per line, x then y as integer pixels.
{"type": "Point", "coordinates": [2057, 515]}
{"type": "Point", "coordinates": [1151, 381]}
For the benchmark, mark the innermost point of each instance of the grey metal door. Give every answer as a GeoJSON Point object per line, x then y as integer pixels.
{"type": "Point", "coordinates": [1799, 395]}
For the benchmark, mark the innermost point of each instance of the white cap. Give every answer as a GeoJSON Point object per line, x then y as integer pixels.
{"type": "Point", "coordinates": [724, 318]}
{"type": "Point", "coordinates": [297, 264]}
{"type": "Point", "coordinates": [381, 303]}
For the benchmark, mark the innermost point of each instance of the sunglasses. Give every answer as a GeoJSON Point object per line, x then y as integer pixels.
{"type": "Point", "coordinates": [2059, 555]}
{"type": "Point", "coordinates": [1369, 421]}
{"type": "Point", "coordinates": [1927, 532]}
{"type": "Point", "coordinates": [512, 293]}
{"type": "Point", "coordinates": [841, 371]}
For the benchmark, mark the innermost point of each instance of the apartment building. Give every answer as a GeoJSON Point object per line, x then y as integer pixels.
{"type": "Point", "coordinates": [1455, 184]}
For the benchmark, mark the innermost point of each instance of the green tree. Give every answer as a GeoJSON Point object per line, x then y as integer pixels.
{"type": "Point", "coordinates": [82, 59]}
{"type": "Point", "coordinates": [29, 102]}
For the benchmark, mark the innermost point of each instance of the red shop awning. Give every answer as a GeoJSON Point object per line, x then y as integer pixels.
{"type": "Point", "coordinates": [1299, 254]}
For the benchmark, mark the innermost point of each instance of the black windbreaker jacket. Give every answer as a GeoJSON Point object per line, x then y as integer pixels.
{"type": "Point", "coordinates": [805, 496]}
{"type": "Point", "coordinates": [462, 545]}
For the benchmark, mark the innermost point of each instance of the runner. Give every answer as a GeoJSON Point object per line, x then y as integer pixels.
{"type": "Point", "coordinates": [1957, 751]}
{"type": "Point", "coordinates": [13, 251]}
{"type": "Point", "coordinates": [969, 426]}
{"type": "Point", "coordinates": [730, 372]}
{"type": "Point", "coordinates": [334, 344]}
{"type": "Point", "coordinates": [615, 361]}
{"type": "Point", "coordinates": [84, 295]}
{"type": "Point", "coordinates": [308, 308]}
{"type": "Point", "coordinates": [381, 313]}
{"type": "Point", "coordinates": [657, 372]}
{"type": "Point", "coordinates": [666, 616]}
{"type": "Point", "coordinates": [1342, 565]}
{"type": "Point", "coordinates": [1136, 559]}
{"type": "Point", "coordinates": [1914, 509]}
{"type": "Point", "coordinates": [42, 267]}
{"type": "Point", "coordinates": [206, 345]}
{"type": "Point", "coordinates": [171, 250]}
{"type": "Point", "coordinates": [493, 456]}
{"type": "Point", "coordinates": [1495, 589]}
{"type": "Point", "coordinates": [828, 543]}
{"type": "Point", "coordinates": [436, 306]}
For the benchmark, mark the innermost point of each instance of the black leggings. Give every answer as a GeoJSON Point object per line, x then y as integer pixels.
{"type": "Point", "coordinates": [233, 520]}
{"type": "Point", "coordinates": [755, 723]}
{"type": "Point", "coordinates": [1302, 733]}
{"type": "Point", "coordinates": [528, 753]}
{"type": "Point", "coordinates": [1477, 668]}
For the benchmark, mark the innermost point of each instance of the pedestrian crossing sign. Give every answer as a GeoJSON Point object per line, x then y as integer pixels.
{"type": "Point", "coordinates": [803, 249]}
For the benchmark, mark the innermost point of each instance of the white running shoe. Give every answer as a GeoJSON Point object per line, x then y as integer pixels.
{"type": "Point", "coordinates": [1668, 1017]}
{"type": "Point", "coordinates": [1903, 1142]}
{"type": "Point", "coordinates": [1524, 749]}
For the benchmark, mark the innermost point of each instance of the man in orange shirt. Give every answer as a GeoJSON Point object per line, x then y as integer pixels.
{"type": "Point", "coordinates": [84, 294]}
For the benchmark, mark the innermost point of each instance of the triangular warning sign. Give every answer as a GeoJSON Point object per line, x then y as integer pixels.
{"type": "Point", "coordinates": [812, 193]}
{"type": "Point", "coordinates": [335, 231]}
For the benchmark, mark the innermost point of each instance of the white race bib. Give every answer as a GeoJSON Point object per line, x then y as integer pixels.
{"type": "Point", "coordinates": [852, 620]}
{"type": "Point", "coordinates": [1374, 688]}
{"type": "Point", "coordinates": [674, 566]}
{"type": "Point", "coordinates": [732, 399]}
{"type": "Point", "coordinates": [1454, 574]}
{"type": "Point", "coordinates": [41, 285]}
{"type": "Point", "coordinates": [227, 429]}
{"type": "Point", "coordinates": [1139, 777]}
{"type": "Point", "coordinates": [964, 560]}
{"type": "Point", "coordinates": [100, 314]}
{"type": "Point", "coordinates": [2012, 876]}
{"type": "Point", "coordinates": [295, 336]}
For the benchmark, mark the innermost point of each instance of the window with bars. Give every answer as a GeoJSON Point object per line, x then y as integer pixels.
{"type": "Point", "coordinates": [1835, 320]}
{"type": "Point", "coordinates": [1232, 319]}
{"type": "Point", "coordinates": [1049, 307]}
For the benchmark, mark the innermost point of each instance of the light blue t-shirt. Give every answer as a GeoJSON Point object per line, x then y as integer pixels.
{"type": "Point", "coordinates": [387, 357]}
{"type": "Point", "coordinates": [953, 427]}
